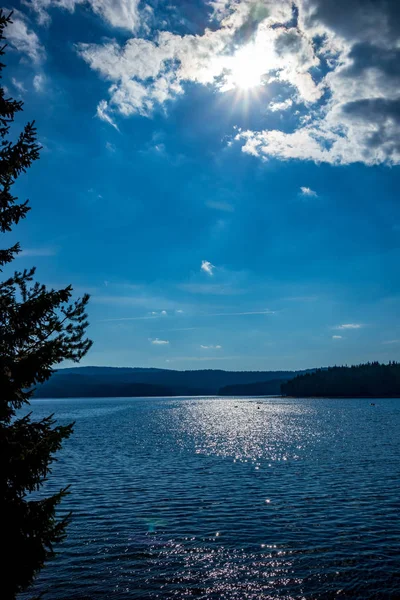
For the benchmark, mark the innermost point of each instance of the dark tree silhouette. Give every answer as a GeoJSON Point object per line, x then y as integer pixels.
{"type": "Point", "coordinates": [372, 380]}
{"type": "Point", "coordinates": [39, 328]}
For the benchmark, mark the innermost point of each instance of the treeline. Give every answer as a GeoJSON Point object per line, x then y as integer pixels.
{"type": "Point", "coordinates": [368, 380]}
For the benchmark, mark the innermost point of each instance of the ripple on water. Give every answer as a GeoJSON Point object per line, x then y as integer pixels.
{"type": "Point", "coordinates": [217, 499]}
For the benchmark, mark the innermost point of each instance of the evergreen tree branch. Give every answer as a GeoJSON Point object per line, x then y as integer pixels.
{"type": "Point", "coordinates": [39, 328]}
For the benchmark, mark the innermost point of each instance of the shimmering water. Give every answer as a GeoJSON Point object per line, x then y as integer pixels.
{"type": "Point", "coordinates": [219, 499]}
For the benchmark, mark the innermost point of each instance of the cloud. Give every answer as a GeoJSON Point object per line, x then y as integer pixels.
{"type": "Point", "coordinates": [349, 326]}
{"type": "Point", "coordinates": [111, 147]}
{"type": "Point", "coordinates": [223, 206]}
{"type": "Point", "coordinates": [358, 117]}
{"type": "Point", "coordinates": [306, 191]}
{"type": "Point", "coordinates": [156, 315]}
{"type": "Point", "coordinates": [161, 313]}
{"type": "Point", "coordinates": [215, 289]}
{"type": "Point", "coordinates": [37, 252]}
{"type": "Point", "coordinates": [239, 314]}
{"type": "Point", "coordinates": [39, 82]}
{"type": "Point", "coordinates": [147, 73]}
{"type": "Point", "coordinates": [217, 347]}
{"type": "Point", "coordinates": [391, 342]}
{"type": "Point", "coordinates": [118, 13]}
{"type": "Point", "coordinates": [337, 337]}
{"type": "Point", "coordinates": [279, 106]}
{"type": "Point", "coordinates": [102, 112]}
{"type": "Point", "coordinates": [336, 63]}
{"type": "Point", "coordinates": [137, 72]}
{"type": "Point", "coordinates": [18, 85]}
{"type": "Point", "coordinates": [126, 319]}
{"type": "Point", "coordinates": [179, 312]}
{"type": "Point", "coordinates": [23, 39]}
{"type": "Point", "coordinates": [143, 299]}
{"type": "Point", "coordinates": [158, 342]}
{"type": "Point", "coordinates": [207, 267]}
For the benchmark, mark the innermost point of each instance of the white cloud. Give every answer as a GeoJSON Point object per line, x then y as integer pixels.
{"type": "Point", "coordinates": [23, 39]}
{"type": "Point", "coordinates": [391, 342]}
{"type": "Point", "coordinates": [161, 313]}
{"type": "Point", "coordinates": [126, 319]}
{"type": "Point", "coordinates": [358, 120]}
{"type": "Point", "coordinates": [306, 191]}
{"type": "Point", "coordinates": [337, 337]}
{"type": "Point", "coordinates": [239, 314]}
{"type": "Point", "coordinates": [217, 347]}
{"type": "Point", "coordinates": [207, 267]}
{"type": "Point", "coordinates": [147, 73]}
{"type": "Point", "coordinates": [158, 342]}
{"type": "Point", "coordinates": [179, 312]}
{"type": "Point", "coordinates": [111, 147]}
{"type": "Point", "coordinates": [18, 85]}
{"type": "Point", "coordinates": [102, 113]}
{"type": "Point", "coordinates": [39, 82]}
{"type": "Point", "coordinates": [279, 106]}
{"type": "Point", "coordinates": [349, 326]}
{"type": "Point", "coordinates": [118, 300]}
{"type": "Point", "coordinates": [140, 298]}
{"type": "Point", "coordinates": [336, 63]}
{"type": "Point", "coordinates": [37, 252]}
{"type": "Point", "coordinates": [219, 205]}
{"type": "Point", "coordinates": [118, 13]}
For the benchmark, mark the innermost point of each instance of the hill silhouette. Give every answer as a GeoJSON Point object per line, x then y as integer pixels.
{"type": "Point", "coordinates": [125, 382]}
{"type": "Point", "coordinates": [370, 380]}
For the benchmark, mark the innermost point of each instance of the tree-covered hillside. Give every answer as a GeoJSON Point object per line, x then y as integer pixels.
{"type": "Point", "coordinates": [366, 380]}
{"type": "Point", "coordinates": [113, 381]}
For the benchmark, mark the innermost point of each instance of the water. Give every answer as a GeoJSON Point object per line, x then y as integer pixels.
{"type": "Point", "coordinates": [216, 498]}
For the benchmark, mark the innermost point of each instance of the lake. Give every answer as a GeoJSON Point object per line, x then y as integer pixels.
{"type": "Point", "coordinates": [227, 498]}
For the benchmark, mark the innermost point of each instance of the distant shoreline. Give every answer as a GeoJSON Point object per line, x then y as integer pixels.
{"type": "Point", "coordinates": [233, 396]}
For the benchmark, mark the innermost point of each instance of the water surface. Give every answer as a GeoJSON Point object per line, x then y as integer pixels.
{"type": "Point", "coordinates": [228, 498]}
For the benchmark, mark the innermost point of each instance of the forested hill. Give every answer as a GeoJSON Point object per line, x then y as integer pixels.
{"type": "Point", "coordinates": [114, 382]}
{"type": "Point", "coordinates": [371, 380]}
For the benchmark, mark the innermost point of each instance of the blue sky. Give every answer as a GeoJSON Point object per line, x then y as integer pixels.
{"type": "Point", "coordinates": [221, 177]}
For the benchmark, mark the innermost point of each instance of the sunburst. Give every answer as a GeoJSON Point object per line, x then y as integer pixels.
{"type": "Point", "coordinates": [247, 67]}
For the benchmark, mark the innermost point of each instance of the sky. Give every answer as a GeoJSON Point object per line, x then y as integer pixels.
{"type": "Point", "coordinates": [222, 177]}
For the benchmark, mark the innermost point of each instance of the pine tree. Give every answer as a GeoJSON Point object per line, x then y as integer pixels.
{"type": "Point", "coordinates": [39, 328]}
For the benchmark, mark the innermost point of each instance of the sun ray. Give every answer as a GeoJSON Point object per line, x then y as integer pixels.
{"type": "Point", "coordinates": [246, 68]}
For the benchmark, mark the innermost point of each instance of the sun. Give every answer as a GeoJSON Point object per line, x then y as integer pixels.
{"type": "Point", "coordinates": [247, 68]}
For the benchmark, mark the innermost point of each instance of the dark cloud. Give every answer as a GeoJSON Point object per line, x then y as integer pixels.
{"type": "Point", "coordinates": [356, 20]}
{"type": "Point", "coordinates": [382, 118]}
{"type": "Point", "coordinates": [288, 42]}
{"type": "Point", "coordinates": [368, 56]}
{"type": "Point", "coordinates": [374, 109]}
